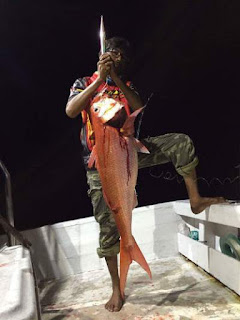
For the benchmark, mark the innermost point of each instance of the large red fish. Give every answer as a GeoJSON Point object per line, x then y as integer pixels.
{"type": "Point", "coordinates": [115, 157]}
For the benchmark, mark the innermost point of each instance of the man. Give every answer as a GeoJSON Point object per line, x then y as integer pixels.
{"type": "Point", "coordinates": [111, 79]}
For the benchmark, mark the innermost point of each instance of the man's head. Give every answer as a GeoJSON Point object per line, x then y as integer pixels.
{"type": "Point", "coordinates": [120, 52]}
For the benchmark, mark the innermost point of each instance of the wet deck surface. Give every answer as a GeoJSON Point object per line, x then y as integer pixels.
{"type": "Point", "coordinates": [179, 291]}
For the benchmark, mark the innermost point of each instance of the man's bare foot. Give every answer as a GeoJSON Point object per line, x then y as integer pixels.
{"type": "Point", "coordinates": [115, 303]}
{"type": "Point", "coordinates": [201, 203]}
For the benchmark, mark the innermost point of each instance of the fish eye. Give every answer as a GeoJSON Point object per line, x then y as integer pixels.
{"type": "Point", "coordinates": [96, 109]}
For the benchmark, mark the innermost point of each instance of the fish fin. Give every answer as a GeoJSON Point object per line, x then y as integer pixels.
{"type": "Point", "coordinates": [137, 256]}
{"type": "Point", "coordinates": [106, 200]}
{"type": "Point", "coordinates": [135, 199]}
{"type": "Point", "coordinates": [125, 261]}
{"type": "Point", "coordinates": [126, 258]}
{"type": "Point", "coordinates": [92, 158]}
{"type": "Point", "coordinates": [140, 147]}
{"type": "Point", "coordinates": [113, 208]}
{"type": "Point", "coordinates": [128, 126]}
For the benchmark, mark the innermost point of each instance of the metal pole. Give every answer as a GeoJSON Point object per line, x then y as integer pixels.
{"type": "Point", "coordinates": [102, 35]}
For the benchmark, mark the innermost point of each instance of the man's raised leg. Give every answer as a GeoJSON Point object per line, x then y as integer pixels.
{"type": "Point", "coordinates": [198, 203]}
{"type": "Point", "coordinates": [177, 148]}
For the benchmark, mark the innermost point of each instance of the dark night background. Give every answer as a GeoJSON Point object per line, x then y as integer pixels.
{"type": "Point", "coordinates": [186, 53]}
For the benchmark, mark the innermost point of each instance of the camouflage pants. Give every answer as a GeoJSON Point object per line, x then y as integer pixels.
{"type": "Point", "coordinates": [177, 148]}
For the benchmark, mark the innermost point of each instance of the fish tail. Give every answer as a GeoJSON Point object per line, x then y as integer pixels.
{"type": "Point", "coordinates": [126, 258]}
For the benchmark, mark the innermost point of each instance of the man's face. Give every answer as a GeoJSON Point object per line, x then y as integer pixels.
{"type": "Point", "coordinates": [119, 60]}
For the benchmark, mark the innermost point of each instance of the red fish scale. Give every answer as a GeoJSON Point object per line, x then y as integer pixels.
{"type": "Point", "coordinates": [115, 156]}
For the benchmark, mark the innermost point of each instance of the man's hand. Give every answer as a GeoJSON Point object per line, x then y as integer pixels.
{"type": "Point", "coordinates": [104, 66]}
{"type": "Point", "coordinates": [110, 64]}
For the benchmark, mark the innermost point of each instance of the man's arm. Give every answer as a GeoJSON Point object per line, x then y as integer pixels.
{"type": "Point", "coordinates": [81, 100]}
{"type": "Point", "coordinates": [132, 96]}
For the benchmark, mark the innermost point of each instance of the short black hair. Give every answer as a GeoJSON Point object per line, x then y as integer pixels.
{"type": "Point", "coordinates": [122, 44]}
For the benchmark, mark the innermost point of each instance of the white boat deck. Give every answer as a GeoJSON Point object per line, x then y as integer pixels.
{"type": "Point", "coordinates": [75, 284]}
{"type": "Point", "coordinates": [179, 290]}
